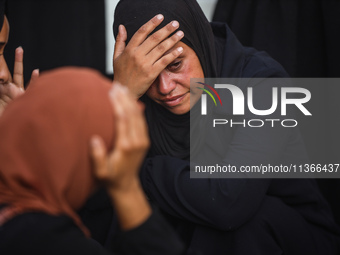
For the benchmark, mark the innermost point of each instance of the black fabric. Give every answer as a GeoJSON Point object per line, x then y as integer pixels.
{"type": "Point", "coordinates": [2, 12]}
{"type": "Point", "coordinates": [196, 28]}
{"type": "Point", "coordinates": [99, 217]}
{"type": "Point", "coordinates": [242, 216]}
{"type": "Point", "coordinates": [57, 33]}
{"type": "Point", "coordinates": [303, 36]}
{"type": "Point", "coordinates": [168, 132]}
{"type": "Point", "coordinates": [154, 237]}
{"type": "Point", "coordinates": [237, 216]}
{"type": "Point", "coordinates": [39, 233]}
{"type": "Point", "coordinates": [99, 206]}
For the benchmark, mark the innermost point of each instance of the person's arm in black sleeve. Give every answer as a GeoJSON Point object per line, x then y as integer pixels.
{"type": "Point", "coordinates": [39, 233]}
{"type": "Point", "coordinates": [144, 230]}
{"type": "Point", "coordinates": [221, 203]}
{"type": "Point", "coordinates": [153, 237]}
{"type": "Point", "coordinates": [224, 204]}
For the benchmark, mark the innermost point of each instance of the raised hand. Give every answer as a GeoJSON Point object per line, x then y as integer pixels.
{"type": "Point", "coordinates": [139, 63]}
{"type": "Point", "coordinates": [18, 72]}
{"type": "Point", "coordinates": [119, 169]}
{"type": "Point", "coordinates": [13, 88]}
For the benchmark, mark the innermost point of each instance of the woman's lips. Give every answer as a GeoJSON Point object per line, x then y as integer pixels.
{"type": "Point", "coordinates": [173, 101]}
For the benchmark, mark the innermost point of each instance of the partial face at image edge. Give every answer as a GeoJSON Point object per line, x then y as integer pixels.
{"type": "Point", "coordinates": [4, 34]}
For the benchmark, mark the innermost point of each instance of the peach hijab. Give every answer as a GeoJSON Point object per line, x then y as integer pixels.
{"type": "Point", "coordinates": [45, 163]}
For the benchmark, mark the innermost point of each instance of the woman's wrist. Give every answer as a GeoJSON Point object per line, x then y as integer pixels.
{"type": "Point", "coordinates": [124, 187]}
{"type": "Point", "coordinates": [131, 204]}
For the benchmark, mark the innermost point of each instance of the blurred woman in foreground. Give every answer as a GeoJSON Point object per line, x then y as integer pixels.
{"type": "Point", "coordinates": [46, 173]}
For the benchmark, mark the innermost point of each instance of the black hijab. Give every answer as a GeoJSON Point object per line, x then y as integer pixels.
{"type": "Point", "coordinates": [2, 12]}
{"type": "Point", "coordinates": [170, 133]}
{"type": "Point", "coordinates": [197, 30]}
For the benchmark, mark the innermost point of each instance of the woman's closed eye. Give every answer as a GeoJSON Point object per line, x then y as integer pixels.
{"type": "Point", "coordinates": [174, 66]}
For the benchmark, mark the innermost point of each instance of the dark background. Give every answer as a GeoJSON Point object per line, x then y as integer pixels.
{"type": "Point", "coordinates": [57, 33]}
{"type": "Point", "coordinates": [301, 34]}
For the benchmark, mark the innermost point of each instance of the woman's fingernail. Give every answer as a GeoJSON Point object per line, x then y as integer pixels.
{"type": "Point", "coordinates": [95, 141]}
{"type": "Point", "coordinates": [124, 89]}
{"type": "Point", "coordinates": [116, 89]}
{"type": "Point", "coordinates": [180, 33]}
{"type": "Point", "coordinates": [180, 49]}
{"type": "Point", "coordinates": [175, 23]}
{"type": "Point", "coordinates": [112, 91]}
{"type": "Point", "coordinates": [160, 16]}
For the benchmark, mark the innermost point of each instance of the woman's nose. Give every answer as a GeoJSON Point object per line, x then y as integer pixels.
{"type": "Point", "coordinates": [4, 72]}
{"type": "Point", "coordinates": [166, 84]}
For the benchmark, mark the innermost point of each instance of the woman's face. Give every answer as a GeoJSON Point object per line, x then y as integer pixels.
{"type": "Point", "coordinates": [172, 89]}
{"type": "Point", "coordinates": [4, 72]}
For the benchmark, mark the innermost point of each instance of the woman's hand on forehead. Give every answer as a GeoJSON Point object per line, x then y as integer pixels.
{"type": "Point", "coordinates": [139, 63]}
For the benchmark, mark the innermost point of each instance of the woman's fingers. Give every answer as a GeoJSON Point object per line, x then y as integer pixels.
{"type": "Point", "coordinates": [164, 61]}
{"type": "Point", "coordinates": [144, 31]}
{"type": "Point", "coordinates": [155, 40]}
{"type": "Point", "coordinates": [136, 125]}
{"type": "Point", "coordinates": [120, 167]}
{"type": "Point", "coordinates": [10, 91]}
{"type": "Point", "coordinates": [35, 75]}
{"type": "Point", "coordinates": [132, 135]}
{"type": "Point", "coordinates": [120, 42]}
{"type": "Point", "coordinates": [128, 115]}
{"type": "Point", "coordinates": [99, 157]}
{"type": "Point", "coordinates": [165, 47]}
{"type": "Point", "coordinates": [117, 95]}
{"type": "Point", "coordinates": [138, 64]}
{"type": "Point", "coordinates": [18, 72]}
{"type": "Point", "coordinates": [141, 134]}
